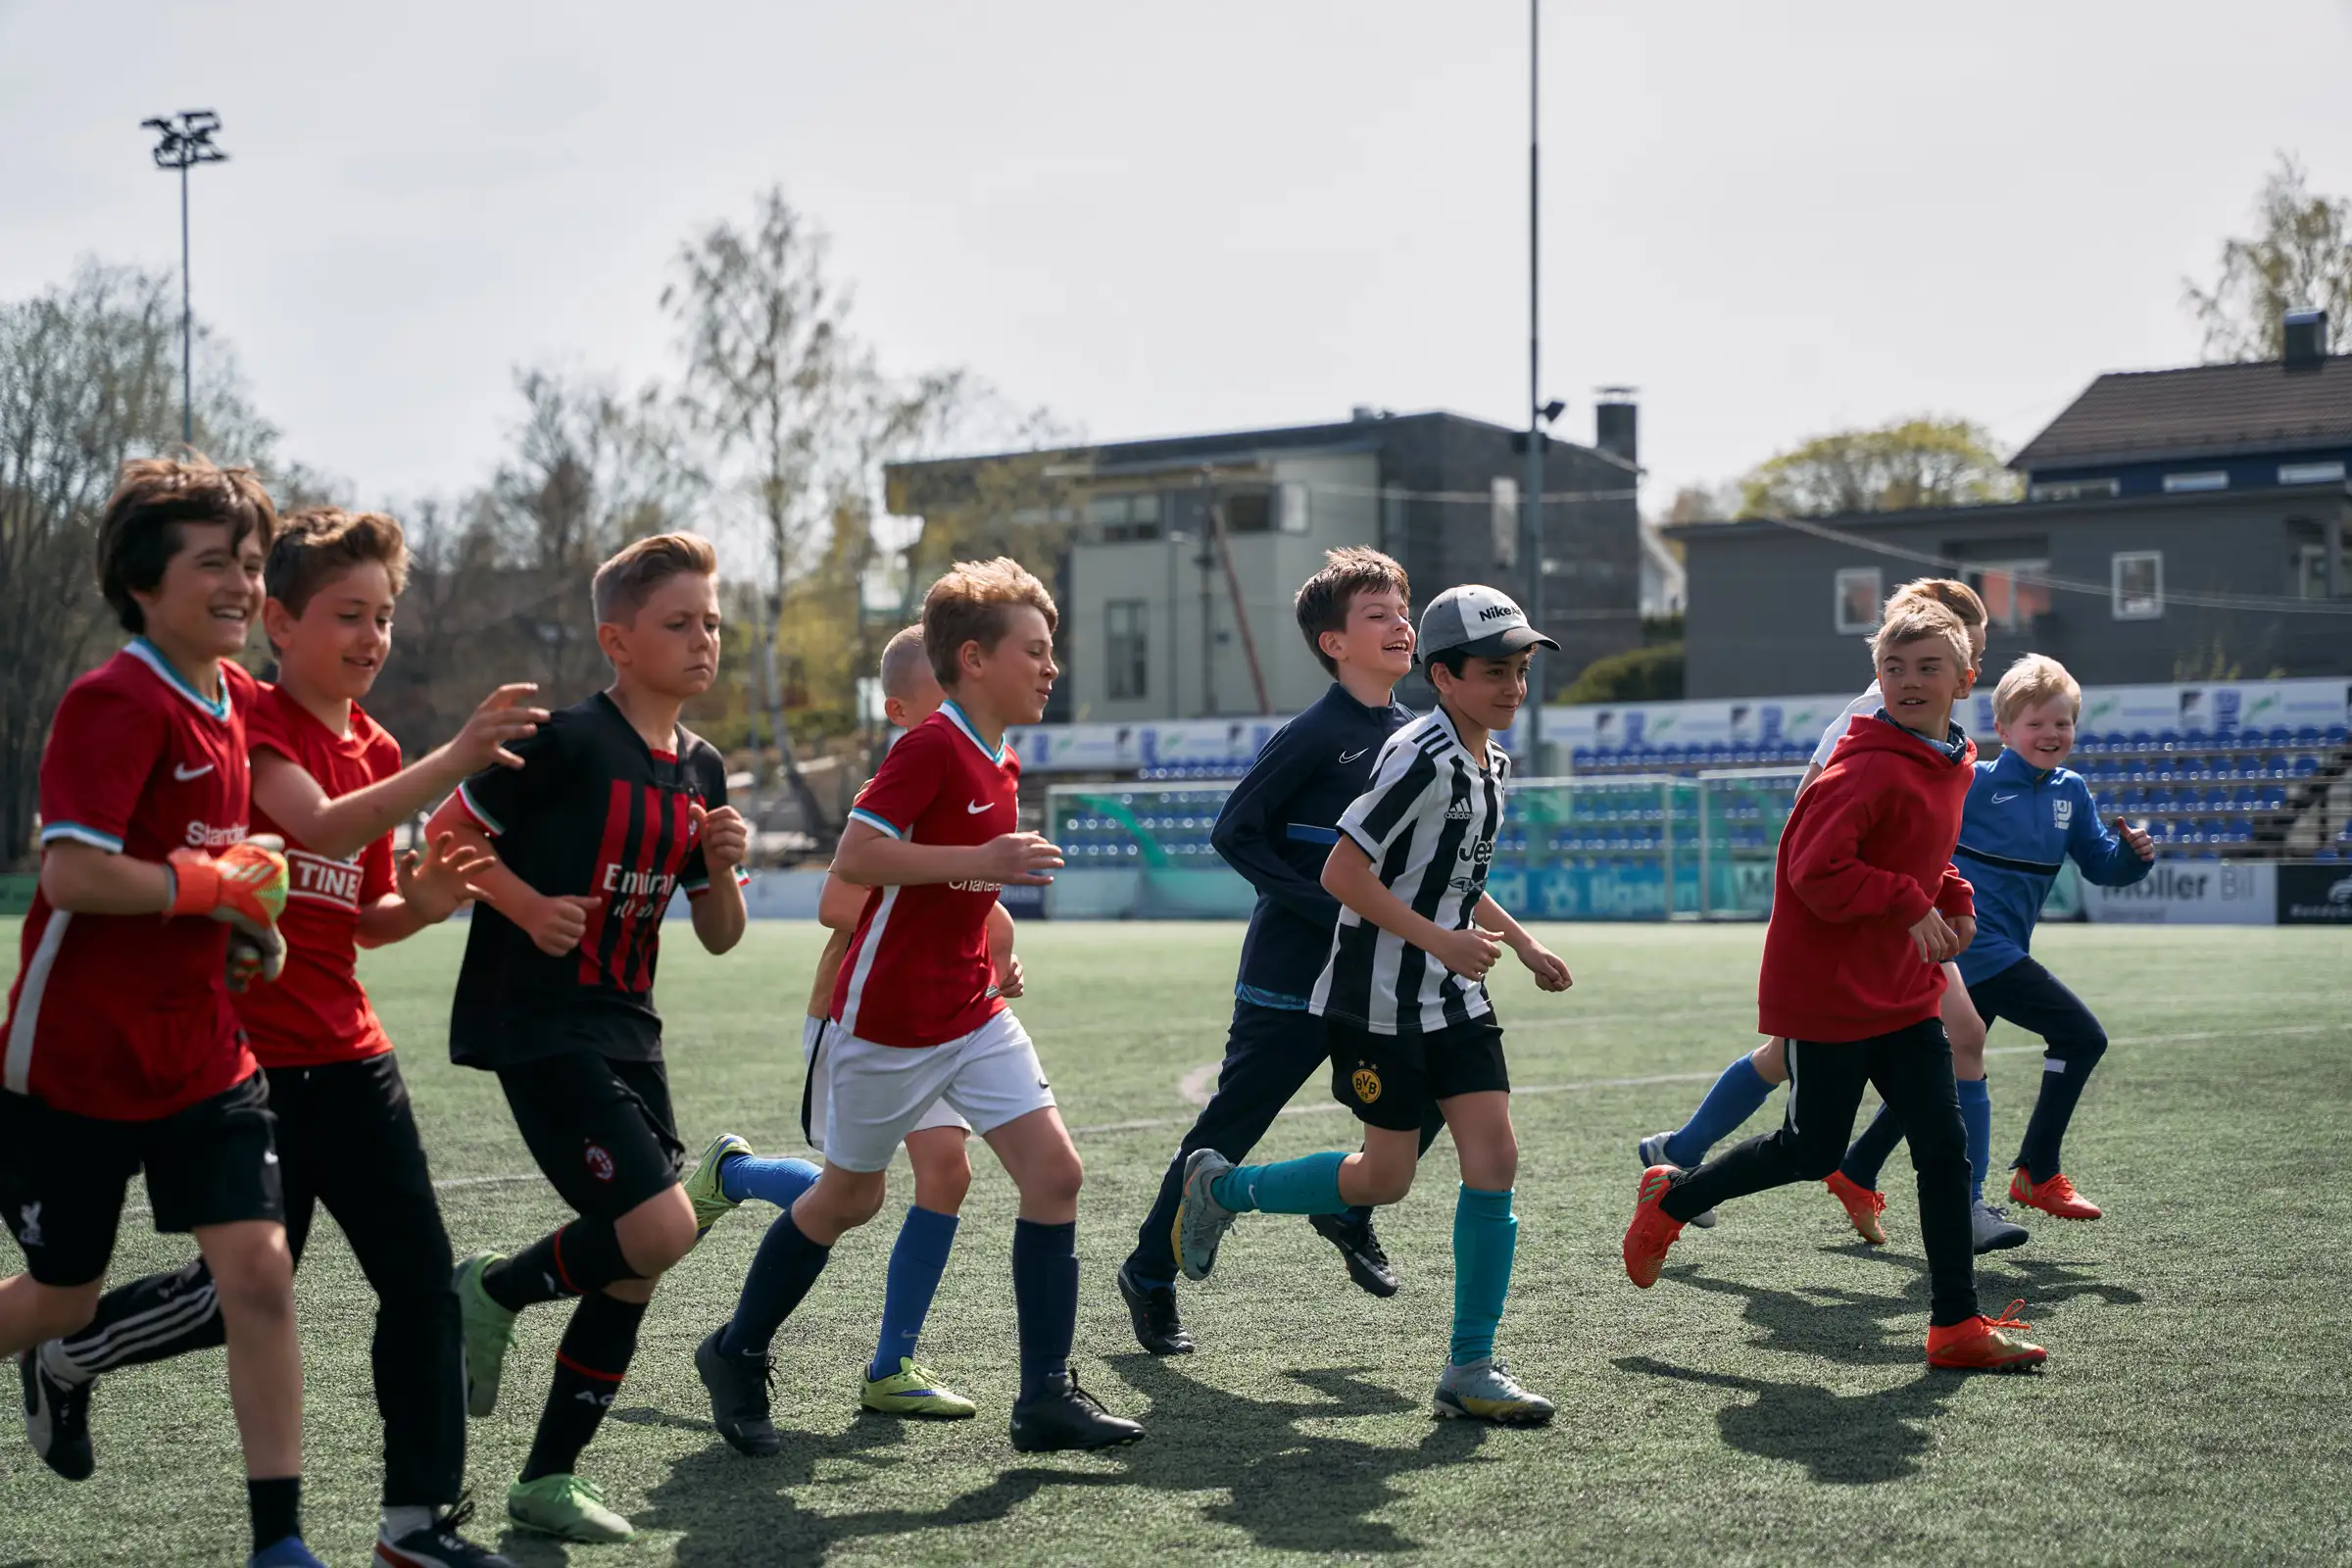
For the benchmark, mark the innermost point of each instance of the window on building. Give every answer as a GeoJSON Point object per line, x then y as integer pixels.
{"type": "Point", "coordinates": [1296, 517]}
{"type": "Point", "coordinates": [2013, 591]}
{"type": "Point", "coordinates": [2310, 473]}
{"type": "Point", "coordinates": [2307, 571]}
{"type": "Point", "coordinates": [1250, 511]}
{"type": "Point", "coordinates": [1124, 519]}
{"type": "Point", "coordinates": [2137, 585]}
{"type": "Point", "coordinates": [1861, 590]}
{"type": "Point", "coordinates": [2074, 490]}
{"type": "Point", "coordinates": [2176, 484]}
{"type": "Point", "coordinates": [1502, 494]}
{"type": "Point", "coordinates": [1129, 650]}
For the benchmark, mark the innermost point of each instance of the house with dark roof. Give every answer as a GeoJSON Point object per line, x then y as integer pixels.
{"type": "Point", "coordinates": [2177, 525]}
{"type": "Point", "coordinates": [1184, 552]}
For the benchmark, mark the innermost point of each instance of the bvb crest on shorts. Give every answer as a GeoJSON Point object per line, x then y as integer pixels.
{"type": "Point", "coordinates": [1367, 1085]}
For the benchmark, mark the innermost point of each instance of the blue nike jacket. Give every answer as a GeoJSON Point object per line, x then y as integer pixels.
{"type": "Point", "coordinates": [2020, 825]}
{"type": "Point", "coordinates": [1277, 828]}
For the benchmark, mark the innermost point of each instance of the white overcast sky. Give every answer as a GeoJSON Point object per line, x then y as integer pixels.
{"type": "Point", "coordinates": [1774, 219]}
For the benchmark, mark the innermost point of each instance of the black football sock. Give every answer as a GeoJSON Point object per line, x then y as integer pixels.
{"type": "Point", "coordinates": [276, 1505]}
{"type": "Point", "coordinates": [1044, 1299]}
{"type": "Point", "coordinates": [785, 1266]}
{"type": "Point", "coordinates": [574, 1260]}
{"type": "Point", "coordinates": [598, 1345]}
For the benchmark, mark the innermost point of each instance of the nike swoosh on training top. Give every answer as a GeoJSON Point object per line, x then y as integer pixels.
{"type": "Point", "coordinates": [183, 774]}
{"type": "Point", "coordinates": [977, 807]}
{"type": "Point", "coordinates": [1998, 798]}
{"type": "Point", "coordinates": [1349, 757]}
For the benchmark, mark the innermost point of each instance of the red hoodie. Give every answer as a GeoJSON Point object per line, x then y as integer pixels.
{"type": "Point", "coordinates": [1866, 853]}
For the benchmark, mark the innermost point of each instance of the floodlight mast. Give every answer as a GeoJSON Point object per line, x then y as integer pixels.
{"type": "Point", "coordinates": [181, 146]}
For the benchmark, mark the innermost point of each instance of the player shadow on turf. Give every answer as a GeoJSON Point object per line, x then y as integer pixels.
{"type": "Point", "coordinates": [2041, 1281]}
{"type": "Point", "coordinates": [1849, 1327]}
{"type": "Point", "coordinates": [1843, 1439]}
{"type": "Point", "coordinates": [731, 1510]}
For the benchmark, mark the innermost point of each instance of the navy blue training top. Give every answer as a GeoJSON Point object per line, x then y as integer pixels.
{"type": "Point", "coordinates": [1277, 828]}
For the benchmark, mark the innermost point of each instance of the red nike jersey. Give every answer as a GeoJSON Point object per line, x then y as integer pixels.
{"type": "Point", "coordinates": [917, 970]}
{"type": "Point", "coordinates": [317, 1012]}
{"type": "Point", "coordinates": [127, 1017]}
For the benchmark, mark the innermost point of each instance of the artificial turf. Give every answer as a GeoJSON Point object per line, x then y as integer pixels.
{"type": "Point", "coordinates": [1765, 1403]}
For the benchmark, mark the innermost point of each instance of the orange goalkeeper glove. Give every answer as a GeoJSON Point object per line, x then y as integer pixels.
{"type": "Point", "coordinates": [245, 889]}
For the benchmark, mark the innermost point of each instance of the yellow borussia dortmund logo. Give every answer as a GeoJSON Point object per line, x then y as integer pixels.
{"type": "Point", "coordinates": [1367, 1085]}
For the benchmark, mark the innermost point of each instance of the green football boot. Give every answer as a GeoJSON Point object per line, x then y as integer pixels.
{"type": "Point", "coordinates": [915, 1391]}
{"type": "Point", "coordinates": [566, 1507]}
{"type": "Point", "coordinates": [1201, 1220]}
{"type": "Point", "coordinates": [710, 1205]}
{"type": "Point", "coordinates": [489, 1334]}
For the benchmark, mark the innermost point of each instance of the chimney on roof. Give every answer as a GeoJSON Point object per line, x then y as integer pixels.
{"type": "Point", "coordinates": [1616, 423]}
{"type": "Point", "coordinates": [2306, 339]}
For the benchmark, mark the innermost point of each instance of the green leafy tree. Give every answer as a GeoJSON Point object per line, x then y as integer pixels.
{"type": "Point", "coordinates": [1909, 463]}
{"type": "Point", "coordinates": [2299, 255]}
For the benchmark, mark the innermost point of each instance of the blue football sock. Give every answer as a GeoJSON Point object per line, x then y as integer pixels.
{"type": "Point", "coordinates": [774, 1181]}
{"type": "Point", "coordinates": [1307, 1185]}
{"type": "Point", "coordinates": [917, 1261]}
{"type": "Point", "coordinates": [1044, 1299]}
{"type": "Point", "coordinates": [1975, 1114]}
{"type": "Point", "coordinates": [1486, 1239]}
{"type": "Point", "coordinates": [785, 1266]}
{"type": "Point", "coordinates": [1739, 1093]}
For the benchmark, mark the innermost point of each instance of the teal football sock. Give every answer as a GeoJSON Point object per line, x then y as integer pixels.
{"type": "Point", "coordinates": [1307, 1185]}
{"type": "Point", "coordinates": [1486, 1239]}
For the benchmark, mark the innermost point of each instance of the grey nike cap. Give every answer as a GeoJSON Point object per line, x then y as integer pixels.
{"type": "Point", "coordinates": [1481, 621]}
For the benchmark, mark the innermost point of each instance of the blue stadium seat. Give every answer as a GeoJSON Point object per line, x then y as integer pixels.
{"type": "Point", "coordinates": [2308, 735]}
{"type": "Point", "coordinates": [2339, 735]}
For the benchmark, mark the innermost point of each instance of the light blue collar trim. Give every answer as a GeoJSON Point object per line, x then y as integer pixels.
{"type": "Point", "coordinates": [146, 653]}
{"type": "Point", "coordinates": [958, 717]}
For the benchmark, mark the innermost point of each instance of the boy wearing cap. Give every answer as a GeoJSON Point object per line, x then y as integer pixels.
{"type": "Point", "coordinates": [1402, 997]}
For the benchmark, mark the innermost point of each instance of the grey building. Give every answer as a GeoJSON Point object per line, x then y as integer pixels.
{"type": "Point", "coordinates": [2185, 525]}
{"type": "Point", "coordinates": [1155, 626]}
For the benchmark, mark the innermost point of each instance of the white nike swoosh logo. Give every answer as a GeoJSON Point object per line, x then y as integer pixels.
{"type": "Point", "coordinates": [977, 807]}
{"type": "Point", "coordinates": [1349, 757]}
{"type": "Point", "coordinates": [183, 774]}
{"type": "Point", "coordinates": [1998, 798]}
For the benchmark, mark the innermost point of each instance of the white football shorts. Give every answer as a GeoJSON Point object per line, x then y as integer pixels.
{"type": "Point", "coordinates": [813, 1098]}
{"type": "Point", "coordinates": [876, 1094]}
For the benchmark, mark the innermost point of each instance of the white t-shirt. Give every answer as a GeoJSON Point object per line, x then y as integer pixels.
{"type": "Point", "coordinates": [1869, 702]}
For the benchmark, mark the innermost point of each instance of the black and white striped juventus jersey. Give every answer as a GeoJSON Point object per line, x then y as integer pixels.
{"type": "Point", "coordinates": [1428, 824]}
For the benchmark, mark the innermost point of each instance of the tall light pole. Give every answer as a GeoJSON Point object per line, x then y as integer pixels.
{"type": "Point", "coordinates": [181, 147]}
{"type": "Point", "coordinates": [1531, 502]}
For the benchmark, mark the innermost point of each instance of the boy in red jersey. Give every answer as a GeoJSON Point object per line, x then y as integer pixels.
{"type": "Point", "coordinates": [729, 1172]}
{"type": "Point", "coordinates": [123, 1050]}
{"type": "Point", "coordinates": [918, 1018]}
{"type": "Point", "coordinates": [615, 808]}
{"type": "Point", "coordinates": [1866, 895]}
{"type": "Point", "coordinates": [329, 780]}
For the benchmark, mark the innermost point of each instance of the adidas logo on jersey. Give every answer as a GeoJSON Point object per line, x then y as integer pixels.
{"type": "Point", "coordinates": [1458, 811]}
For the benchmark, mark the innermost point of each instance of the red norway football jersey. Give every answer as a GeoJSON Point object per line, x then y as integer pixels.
{"type": "Point", "coordinates": [917, 971]}
{"type": "Point", "coordinates": [316, 1012]}
{"type": "Point", "coordinates": [127, 1017]}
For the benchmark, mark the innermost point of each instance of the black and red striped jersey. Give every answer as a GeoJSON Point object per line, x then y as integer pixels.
{"type": "Point", "coordinates": [592, 811]}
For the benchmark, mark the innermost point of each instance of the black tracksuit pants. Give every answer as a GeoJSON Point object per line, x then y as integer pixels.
{"type": "Point", "coordinates": [1912, 1069]}
{"type": "Point", "coordinates": [1270, 1054]}
{"type": "Point", "coordinates": [346, 1140]}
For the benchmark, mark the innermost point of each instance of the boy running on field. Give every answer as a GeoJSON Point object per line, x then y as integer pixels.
{"type": "Point", "coordinates": [2027, 815]}
{"type": "Point", "coordinates": [123, 1052]}
{"type": "Point", "coordinates": [327, 781]}
{"type": "Point", "coordinates": [728, 1171]}
{"type": "Point", "coordinates": [1749, 1080]}
{"type": "Point", "coordinates": [1865, 909]}
{"type": "Point", "coordinates": [1404, 1000]}
{"type": "Point", "coordinates": [615, 807]}
{"type": "Point", "coordinates": [1276, 828]}
{"type": "Point", "coordinates": [918, 1017]}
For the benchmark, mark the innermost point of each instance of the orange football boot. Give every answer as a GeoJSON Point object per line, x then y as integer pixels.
{"type": "Point", "coordinates": [1984, 1343]}
{"type": "Point", "coordinates": [1652, 1231]}
{"type": "Point", "coordinates": [1862, 1206]}
{"type": "Point", "coordinates": [2057, 1195]}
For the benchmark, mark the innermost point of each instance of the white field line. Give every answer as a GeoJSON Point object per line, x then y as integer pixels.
{"type": "Point", "coordinates": [1193, 1087]}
